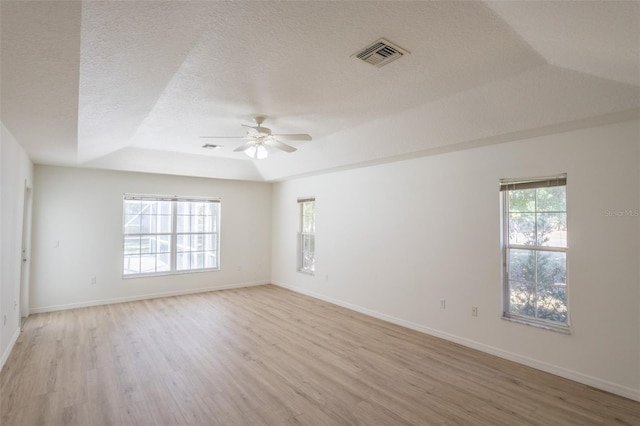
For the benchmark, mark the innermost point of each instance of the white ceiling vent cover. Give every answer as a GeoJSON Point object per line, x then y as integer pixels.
{"type": "Point", "coordinates": [380, 53]}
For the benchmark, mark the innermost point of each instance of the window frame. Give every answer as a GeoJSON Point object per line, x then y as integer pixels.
{"type": "Point", "coordinates": [507, 185]}
{"type": "Point", "coordinates": [173, 233]}
{"type": "Point", "coordinates": [301, 235]}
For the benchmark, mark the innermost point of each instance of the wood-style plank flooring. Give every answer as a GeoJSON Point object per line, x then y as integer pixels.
{"type": "Point", "coordinates": [265, 355]}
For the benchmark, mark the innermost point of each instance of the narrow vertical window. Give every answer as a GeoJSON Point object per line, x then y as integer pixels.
{"type": "Point", "coordinates": [306, 235]}
{"type": "Point", "coordinates": [534, 240]}
{"type": "Point", "coordinates": [167, 234]}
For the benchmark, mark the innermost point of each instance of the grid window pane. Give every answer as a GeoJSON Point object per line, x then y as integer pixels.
{"type": "Point", "coordinates": [537, 283]}
{"type": "Point", "coordinates": [184, 208]}
{"type": "Point", "coordinates": [522, 201]}
{"type": "Point", "coordinates": [148, 207]}
{"type": "Point", "coordinates": [209, 224]}
{"type": "Point", "coordinates": [522, 228]}
{"type": "Point", "coordinates": [552, 303]}
{"type": "Point", "coordinates": [522, 265]}
{"type": "Point", "coordinates": [522, 299]}
{"type": "Point", "coordinates": [147, 224]}
{"type": "Point", "coordinates": [197, 260]}
{"type": "Point", "coordinates": [308, 216]}
{"type": "Point", "coordinates": [150, 229]}
{"type": "Point", "coordinates": [551, 229]}
{"type": "Point", "coordinates": [197, 242]}
{"type": "Point", "coordinates": [132, 245]}
{"type": "Point", "coordinates": [306, 235]}
{"type": "Point", "coordinates": [552, 268]}
{"type": "Point", "coordinates": [209, 242]}
{"type": "Point", "coordinates": [132, 207]}
{"type": "Point", "coordinates": [147, 263]}
{"type": "Point", "coordinates": [163, 262]}
{"type": "Point", "coordinates": [132, 224]}
{"type": "Point", "coordinates": [197, 209]}
{"type": "Point", "coordinates": [553, 199]}
{"type": "Point", "coordinates": [214, 212]}
{"type": "Point", "coordinates": [164, 224]}
{"type": "Point", "coordinates": [183, 223]}
{"type": "Point", "coordinates": [131, 264]}
{"type": "Point", "coordinates": [184, 243]}
{"type": "Point", "coordinates": [210, 259]}
{"type": "Point", "coordinates": [183, 261]}
{"type": "Point", "coordinates": [164, 208]}
{"type": "Point", "coordinates": [163, 244]}
{"type": "Point", "coordinates": [197, 223]}
{"type": "Point", "coordinates": [308, 252]}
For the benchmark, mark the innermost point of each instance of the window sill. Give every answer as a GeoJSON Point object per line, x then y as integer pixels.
{"type": "Point", "coordinates": [558, 328]}
{"type": "Point", "coordinates": [162, 274]}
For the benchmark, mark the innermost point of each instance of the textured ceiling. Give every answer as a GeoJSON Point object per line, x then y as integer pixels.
{"type": "Point", "coordinates": [133, 85]}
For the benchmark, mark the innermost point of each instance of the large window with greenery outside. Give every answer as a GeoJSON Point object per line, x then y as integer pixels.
{"type": "Point", "coordinates": [167, 234]}
{"type": "Point", "coordinates": [306, 235]}
{"type": "Point", "coordinates": [535, 251]}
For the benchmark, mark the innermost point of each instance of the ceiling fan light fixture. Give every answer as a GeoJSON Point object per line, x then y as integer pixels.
{"type": "Point", "coordinates": [257, 152]}
{"type": "Point", "coordinates": [258, 138]}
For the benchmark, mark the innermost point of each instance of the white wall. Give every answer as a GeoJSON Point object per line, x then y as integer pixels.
{"type": "Point", "coordinates": [394, 239]}
{"type": "Point", "coordinates": [16, 171]}
{"type": "Point", "coordinates": [81, 209]}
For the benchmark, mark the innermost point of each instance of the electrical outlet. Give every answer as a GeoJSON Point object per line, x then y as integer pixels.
{"type": "Point", "coordinates": [93, 280]}
{"type": "Point", "coordinates": [443, 303]}
{"type": "Point", "coordinates": [474, 311]}
{"type": "Point", "coordinates": [4, 321]}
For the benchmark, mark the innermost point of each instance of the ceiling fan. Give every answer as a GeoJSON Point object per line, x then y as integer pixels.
{"type": "Point", "coordinates": [258, 138]}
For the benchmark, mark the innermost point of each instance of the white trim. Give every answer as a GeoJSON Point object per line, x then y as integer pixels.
{"type": "Point", "coordinates": [507, 246]}
{"type": "Point", "coordinates": [7, 352]}
{"type": "Point", "coordinates": [89, 303]}
{"type": "Point", "coordinates": [576, 376]}
{"type": "Point", "coordinates": [133, 196]}
{"type": "Point", "coordinates": [173, 234]}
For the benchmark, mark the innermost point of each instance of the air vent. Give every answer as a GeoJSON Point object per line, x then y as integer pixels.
{"type": "Point", "coordinates": [380, 53]}
{"type": "Point", "coordinates": [211, 146]}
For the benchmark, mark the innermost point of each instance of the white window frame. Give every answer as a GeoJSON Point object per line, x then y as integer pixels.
{"type": "Point", "coordinates": [213, 234]}
{"type": "Point", "coordinates": [305, 235]}
{"type": "Point", "coordinates": [507, 185]}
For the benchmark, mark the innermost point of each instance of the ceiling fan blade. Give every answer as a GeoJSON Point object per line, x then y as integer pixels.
{"type": "Point", "coordinates": [277, 144]}
{"type": "Point", "coordinates": [245, 146]}
{"type": "Point", "coordinates": [223, 137]}
{"type": "Point", "coordinates": [293, 137]}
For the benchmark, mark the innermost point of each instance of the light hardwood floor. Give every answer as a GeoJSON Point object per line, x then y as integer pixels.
{"type": "Point", "coordinates": [265, 355]}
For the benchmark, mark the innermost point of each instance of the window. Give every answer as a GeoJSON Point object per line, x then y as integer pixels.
{"type": "Point", "coordinates": [534, 240]}
{"type": "Point", "coordinates": [164, 234]}
{"type": "Point", "coordinates": [306, 235]}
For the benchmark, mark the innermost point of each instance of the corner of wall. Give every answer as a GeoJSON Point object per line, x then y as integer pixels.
{"type": "Point", "coordinates": [9, 348]}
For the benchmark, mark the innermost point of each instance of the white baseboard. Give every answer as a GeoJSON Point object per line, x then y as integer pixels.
{"type": "Point", "coordinates": [576, 376]}
{"type": "Point", "coordinates": [90, 303]}
{"type": "Point", "coordinates": [7, 352]}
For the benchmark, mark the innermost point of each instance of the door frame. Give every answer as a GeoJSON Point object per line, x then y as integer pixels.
{"type": "Point", "coordinates": [25, 255]}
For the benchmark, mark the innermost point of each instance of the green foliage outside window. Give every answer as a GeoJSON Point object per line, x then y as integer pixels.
{"type": "Point", "coordinates": [537, 262]}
